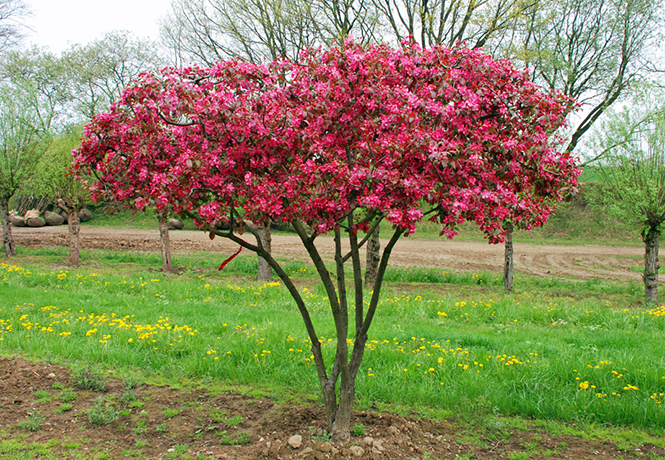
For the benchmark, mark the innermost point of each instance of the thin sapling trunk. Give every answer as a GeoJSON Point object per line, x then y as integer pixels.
{"type": "Point", "coordinates": [651, 264]}
{"type": "Point", "coordinates": [74, 225]}
{"type": "Point", "coordinates": [508, 258]}
{"type": "Point", "coordinates": [7, 239]}
{"type": "Point", "coordinates": [167, 265]}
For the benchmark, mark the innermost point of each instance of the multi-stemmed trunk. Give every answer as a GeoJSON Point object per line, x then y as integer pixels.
{"type": "Point", "coordinates": [338, 385]}
{"type": "Point", "coordinates": [163, 218]}
{"type": "Point", "coordinates": [651, 266]}
{"type": "Point", "coordinates": [7, 239]}
{"type": "Point", "coordinates": [508, 257]}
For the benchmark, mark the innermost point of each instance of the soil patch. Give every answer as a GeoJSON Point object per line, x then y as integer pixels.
{"type": "Point", "coordinates": [40, 403]}
{"type": "Point", "coordinates": [578, 262]}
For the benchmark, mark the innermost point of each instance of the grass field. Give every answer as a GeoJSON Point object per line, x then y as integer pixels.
{"type": "Point", "coordinates": [446, 343]}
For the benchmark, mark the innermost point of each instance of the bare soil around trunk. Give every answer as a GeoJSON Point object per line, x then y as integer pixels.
{"type": "Point", "coordinates": [159, 422]}
{"type": "Point", "coordinates": [578, 262]}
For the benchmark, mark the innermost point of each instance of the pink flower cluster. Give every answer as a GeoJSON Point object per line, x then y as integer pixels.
{"type": "Point", "coordinates": [447, 133]}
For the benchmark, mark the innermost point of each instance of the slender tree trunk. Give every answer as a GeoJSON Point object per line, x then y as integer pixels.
{"type": "Point", "coordinates": [373, 258]}
{"type": "Point", "coordinates": [7, 239]}
{"type": "Point", "coordinates": [265, 237]}
{"type": "Point", "coordinates": [163, 217]}
{"type": "Point", "coordinates": [508, 258]}
{"type": "Point", "coordinates": [651, 264]}
{"type": "Point", "coordinates": [74, 225]}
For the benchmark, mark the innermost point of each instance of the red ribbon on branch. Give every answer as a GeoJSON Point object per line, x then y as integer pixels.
{"type": "Point", "coordinates": [226, 262]}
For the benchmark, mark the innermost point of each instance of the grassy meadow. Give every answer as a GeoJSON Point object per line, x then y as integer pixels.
{"type": "Point", "coordinates": [442, 343]}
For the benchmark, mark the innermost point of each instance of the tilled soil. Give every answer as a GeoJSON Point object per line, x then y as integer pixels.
{"type": "Point", "coordinates": [193, 422]}
{"type": "Point", "coordinates": [579, 262]}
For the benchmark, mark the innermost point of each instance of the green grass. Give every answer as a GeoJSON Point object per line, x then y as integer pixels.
{"type": "Point", "coordinates": [572, 224]}
{"type": "Point", "coordinates": [554, 349]}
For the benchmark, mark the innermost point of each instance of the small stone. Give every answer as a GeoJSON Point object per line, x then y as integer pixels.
{"type": "Point", "coordinates": [378, 445]}
{"type": "Point", "coordinates": [393, 430]}
{"type": "Point", "coordinates": [368, 441]}
{"type": "Point", "coordinates": [306, 451]}
{"type": "Point", "coordinates": [295, 441]}
{"type": "Point", "coordinates": [334, 451]}
{"type": "Point", "coordinates": [326, 447]}
{"type": "Point", "coordinates": [357, 451]}
{"type": "Point", "coordinates": [51, 375]}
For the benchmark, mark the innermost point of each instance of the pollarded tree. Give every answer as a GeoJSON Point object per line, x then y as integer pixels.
{"type": "Point", "coordinates": [633, 172]}
{"type": "Point", "coordinates": [21, 145]}
{"type": "Point", "coordinates": [51, 179]}
{"type": "Point", "coordinates": [345, 138]}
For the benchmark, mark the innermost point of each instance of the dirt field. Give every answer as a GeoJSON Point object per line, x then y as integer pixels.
{"type": "Point", "coordinates": [166, 423]}
{"type": "Point", "coordinates": [581, 262]}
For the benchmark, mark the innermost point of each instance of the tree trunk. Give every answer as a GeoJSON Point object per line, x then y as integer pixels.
{"type": "Point", "coordinates": [167, 266]}
{"type": "Point", "coordinates": [373, 258]}
{"type": "Point", "coordinates": [7, 239]}
{"type": "Point", "coordinates": [265, 237]}
{"type": "Point", "coordinates": [74, 242]}
{"type": "Point", "coordinates": [341, 427]}
{"type": "Point", "coordinates": [508, 258]}
{"type": "Point", "coordinates": [651, 264]}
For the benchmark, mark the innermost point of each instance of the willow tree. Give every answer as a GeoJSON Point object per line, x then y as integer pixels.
{"type": "Point", "coordinates": [633, 177]}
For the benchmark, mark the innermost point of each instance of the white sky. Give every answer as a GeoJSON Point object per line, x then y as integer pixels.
{"type": "Point", "coordinates": [58, 23]}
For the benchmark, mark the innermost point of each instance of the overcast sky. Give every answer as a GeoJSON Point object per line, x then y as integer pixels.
{"type": "Point", "coordinates": [57, 23]}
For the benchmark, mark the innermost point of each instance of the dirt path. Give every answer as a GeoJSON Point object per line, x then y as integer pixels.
{"type": "Point", "coordinates": [582, 262]}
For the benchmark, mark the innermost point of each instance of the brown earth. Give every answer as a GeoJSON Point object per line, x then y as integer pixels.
{"type": "Point", "coordinates": [580, 262]}
{"type": "Point", "coordinates": [160, 422]}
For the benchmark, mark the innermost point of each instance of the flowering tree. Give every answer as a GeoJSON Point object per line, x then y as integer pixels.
{"type": "Point", "coordinates": [343, 140]}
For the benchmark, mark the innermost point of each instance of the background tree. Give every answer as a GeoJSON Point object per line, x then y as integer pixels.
{"type": "Point", "coordinates": [43, 77]}
{"type": "Point", "coordinates": [21, 145]}
{"type": "Point", "coordinates": [98, 72]}
{"type": "Point", "coordinates": [591, 50]}
{"type": "Point", "coordinates": [209, 31]}
{"type": "Point", "coordinates": [439, 22]}
{"type": "Point", "coordinates": [11, 27]}
{"type": "Point", "coordinates": [354, 137]}
{"type": "Point", "coordinates": [633, 174]}
{"type": "Point", "coordinates": [52, 179]}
